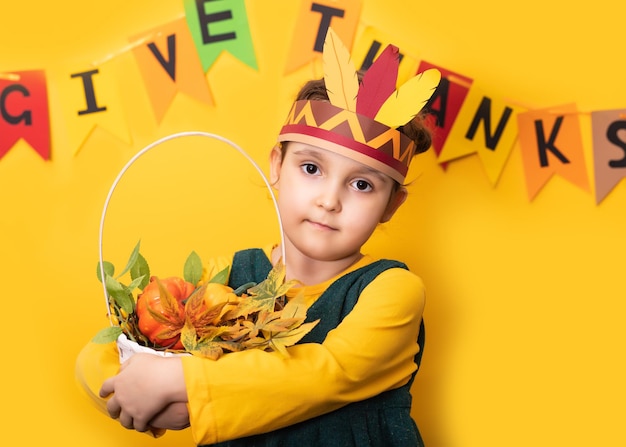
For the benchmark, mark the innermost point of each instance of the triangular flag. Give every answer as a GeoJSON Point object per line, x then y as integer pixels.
{"type": "Point", "coordinates": [486, 126]}
{"type": "Point", "coordinates": [92, 99]}
{"type": "Point", "coordinates": [551, 143]}
{"type": "Point", "coordinates": [445, 104]}
{"type": "Point", "coordinates": [312, 23]}
{"type": "Point", "coordinates": [25, 114]}
{"type": "Point", "coordinates": [609, 150]}
{"type": "Point", "coordinates": [372, 42]}
{"type": "Point", "coordinates": [218, 26]}
{"type": "Point", "coordinates": [169, 63]}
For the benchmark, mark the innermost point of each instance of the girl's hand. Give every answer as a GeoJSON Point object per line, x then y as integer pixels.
{"type": "Point", "coordinates": [173, 417]}
{"type": "Point", "coordinates": [145, 385]}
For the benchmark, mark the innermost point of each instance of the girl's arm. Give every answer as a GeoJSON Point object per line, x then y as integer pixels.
{"type": "Point", "coordinates": [370, 352]}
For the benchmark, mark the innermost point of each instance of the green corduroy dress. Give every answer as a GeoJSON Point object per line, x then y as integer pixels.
{"type": "Point", "coordinates": [381, 421]}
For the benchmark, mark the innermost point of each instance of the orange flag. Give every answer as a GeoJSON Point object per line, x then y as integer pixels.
{"type": "Point", "coordinates": [312, 23]}
{"type": "Point", "coordinates": [609, 150]}
{"type": "Point", "coordinates": [551, 143]}
{"type": "Point", "coordinates": [169, 63]}
{"type": "Point", "coordinates": [24, 112]}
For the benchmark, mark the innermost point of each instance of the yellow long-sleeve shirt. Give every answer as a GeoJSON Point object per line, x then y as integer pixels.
{"type": "Point", "coordinates": [370, 352]}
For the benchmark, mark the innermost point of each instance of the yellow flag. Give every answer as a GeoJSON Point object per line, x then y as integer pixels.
{"type": "Point", "coordinates": [485, 126]}
{"type": "Point", "coordinates": [92, 98]}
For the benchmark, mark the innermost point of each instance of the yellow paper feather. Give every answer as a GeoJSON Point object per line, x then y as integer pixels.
{"type": "Point", "coordinates": [340, 75]}
{"type": "Point", "coordinates": [409, 99]}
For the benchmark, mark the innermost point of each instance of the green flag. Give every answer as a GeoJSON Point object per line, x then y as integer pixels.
{"type": "Point", "coordinates": [220, 25]}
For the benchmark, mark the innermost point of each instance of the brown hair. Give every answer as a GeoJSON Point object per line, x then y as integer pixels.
{"type": "Point", "coordinates": [415, 129]}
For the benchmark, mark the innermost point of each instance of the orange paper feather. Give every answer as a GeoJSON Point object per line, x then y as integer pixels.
{"type": "Point", "coordinates": [340, 75]}
{"type": "Point", "coordinates": [408, 100]}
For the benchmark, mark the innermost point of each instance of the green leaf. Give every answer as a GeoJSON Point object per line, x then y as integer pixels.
{"type": "Point", "coordinates": [140, 268]}
{"type": "Point", "coordinates": [107, 335]}
{"type": "Point", "coordinates": [120, 294]}
{"type": "Point", "coordinates": [192, 271]}
{"type": "Point", "coordinates": [221, 277]}
{"type": "Point", "coordinates": [109, 269]}
{"type": "Point", "coordinates": [131, 261]}
{"type": "Point", "coordinates": [135, 283]}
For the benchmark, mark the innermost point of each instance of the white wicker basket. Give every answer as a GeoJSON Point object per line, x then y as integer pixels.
{"type": "Point", "coordinates": [128, 347]}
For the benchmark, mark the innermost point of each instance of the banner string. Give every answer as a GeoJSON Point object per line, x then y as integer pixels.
{"type": "Point", "coordinates": [126, 48]}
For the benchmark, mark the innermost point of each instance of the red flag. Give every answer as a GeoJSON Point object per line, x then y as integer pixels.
{"type": "Point", "coordinates": [445, 104]}
{"type": "Point", "coordinates": [24, 112]}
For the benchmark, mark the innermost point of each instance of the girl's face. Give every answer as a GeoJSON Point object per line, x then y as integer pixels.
{"type": "Point", "coordinates": [330, 204]}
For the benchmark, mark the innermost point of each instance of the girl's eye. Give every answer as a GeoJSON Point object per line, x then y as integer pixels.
{"type": "Point", "coordinates": [362, 185]}
{"type": "Point", "coordinates": [310, 168]}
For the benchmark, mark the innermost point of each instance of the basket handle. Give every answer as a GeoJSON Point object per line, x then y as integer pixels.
{"type": "Point", "coordinates": [153, 145]}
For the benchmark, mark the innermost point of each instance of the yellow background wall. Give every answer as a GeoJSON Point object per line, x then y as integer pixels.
{"type": "Point", "coordinates": [525, 299]}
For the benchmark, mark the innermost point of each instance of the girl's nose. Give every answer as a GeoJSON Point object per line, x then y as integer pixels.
{"type": "Point", "coordinates": [329, 199]}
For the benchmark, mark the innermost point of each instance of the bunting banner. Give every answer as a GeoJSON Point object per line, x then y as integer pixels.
{"type": "Point", "coordinates": [609, 149]}
{"type": "Point", "coordinates": [372, 42]}
{"type": "Point", "coordinates": [312, 22]}
{"type": "Point", "coordinates": [217, 26]}
{"type": "Point", "coordinates": [24, 111]}
{"type": "Point", "coordinates": [93, 99]}
{"type": "Point", "coordinates": [551, 143]}
{"type": "Point", "coordinates": [168, 64]}
{"type": "Point", "coordinates": [444, 105]}
{"type": "Point", "coordinates": [174, 57]}
{"type": "Point", "coordinates": [486, 126]}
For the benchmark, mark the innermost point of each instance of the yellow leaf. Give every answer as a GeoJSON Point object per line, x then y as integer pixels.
{"type": "Point", "coordinates": [168, 302]}
{"type": "Point", "coordinates": [295, 307]}
{"type": "Point", "coordinates": [188, 336]}
{"type": "Point", "coordinates": [280, 341]}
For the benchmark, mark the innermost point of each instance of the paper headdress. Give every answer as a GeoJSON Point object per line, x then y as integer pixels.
{"type": "Point", "coordinates": [361, 120]}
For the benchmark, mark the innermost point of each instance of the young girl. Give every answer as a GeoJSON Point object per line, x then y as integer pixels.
{"type": "Point", "coordinates": [338, 173]}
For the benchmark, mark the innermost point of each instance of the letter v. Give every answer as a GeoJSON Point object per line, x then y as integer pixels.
{"type": "Point", "coordinates": [169, 65]}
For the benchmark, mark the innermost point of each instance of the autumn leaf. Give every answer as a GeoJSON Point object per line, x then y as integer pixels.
{"type": "Point", "coordinates": [256, 343]}
{"type": "Point", "coordinates": [263, 296]}
{"type": "Point", "coordinates": [194, 302]}
{"type": "Point", "coordinates": [282, 340]}
{"type": "Point", "coordinates": [197, 311]}
{"type": "Point", "coordinates": [169, 304]}
{"type": "Point", "coordinates": [273, 285]}
{"type": "Point", "coordinates": [296, 307]}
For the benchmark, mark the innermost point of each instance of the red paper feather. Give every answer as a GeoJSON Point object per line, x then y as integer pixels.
{"type": "Point", "coordinates": [379, 82]}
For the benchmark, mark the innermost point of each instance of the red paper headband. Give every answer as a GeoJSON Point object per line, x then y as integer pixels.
{"type": "Point", "coordinates": [360, 121]}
